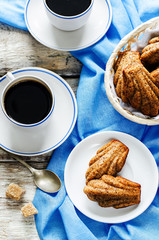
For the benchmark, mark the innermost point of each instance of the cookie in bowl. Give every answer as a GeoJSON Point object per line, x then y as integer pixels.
{"type": "Point", "coordinates": [135, 85]}
{"type": "Point", "coordinates": [132, 75]}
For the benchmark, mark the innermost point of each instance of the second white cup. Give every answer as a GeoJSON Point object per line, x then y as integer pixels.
{"type": "Point", "coordinates": [27, 101]}
{"type": "Point", "coordinates": [68, 15]}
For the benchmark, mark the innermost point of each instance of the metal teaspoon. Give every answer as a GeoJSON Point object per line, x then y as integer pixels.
{"type": "Point", "coordinates": [44, 179]}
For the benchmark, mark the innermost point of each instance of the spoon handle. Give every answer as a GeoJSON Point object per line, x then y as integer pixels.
{"type": "Point", "coordinates": [23, 162]}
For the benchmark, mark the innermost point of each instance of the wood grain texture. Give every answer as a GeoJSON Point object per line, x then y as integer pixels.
{"type": "Point", "coordinates": [19, 49]}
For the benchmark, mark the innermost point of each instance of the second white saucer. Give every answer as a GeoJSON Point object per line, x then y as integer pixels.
{"type": "Point", "coordinates": [30, 142]}
{"type": "Point", "coordinates": [41, 29]}
{"type": "Point", "coordinates": [140, 167]}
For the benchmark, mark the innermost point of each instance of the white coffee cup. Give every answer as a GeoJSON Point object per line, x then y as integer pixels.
{"type": "Point", "coordinates": [8, 99]}
{"type": "Point", "coordinates": [68, 23]}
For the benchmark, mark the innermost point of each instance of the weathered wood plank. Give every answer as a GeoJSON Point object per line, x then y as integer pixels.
{"type": "Point", "coordinates": [12, 224]}
{"type": "Point", "coordinates": [19, 49]}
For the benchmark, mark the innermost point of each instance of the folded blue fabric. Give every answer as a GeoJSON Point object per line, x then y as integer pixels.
{"type": "Point", "coordinates": [12, 13]}
{"type": "Point", "coordinates": [57, 218]}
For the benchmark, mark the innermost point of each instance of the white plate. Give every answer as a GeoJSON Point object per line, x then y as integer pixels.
{"type": "Point", "coordinates": [41, 29]}
{"type": "Point", "coordinates": [17, 140]}
{"type": "Point", "coordinates": [140, 167]}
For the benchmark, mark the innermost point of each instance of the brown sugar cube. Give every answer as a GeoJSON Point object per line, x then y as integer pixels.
{"type": "Point", "coordinates": [14, 191]}
{"type": "Point", "coordinates": [29, 210]}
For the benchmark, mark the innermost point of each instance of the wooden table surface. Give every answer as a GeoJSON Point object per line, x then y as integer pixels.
{"type": "Point", "coordinates": [19, 49]}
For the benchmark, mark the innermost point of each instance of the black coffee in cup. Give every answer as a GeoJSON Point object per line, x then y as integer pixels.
{"type": "Point", "coordinates": [28, 101]}
{"type": "Point", "coordinates": [68, 7]}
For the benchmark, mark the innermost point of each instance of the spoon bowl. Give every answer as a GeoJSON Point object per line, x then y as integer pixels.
{"type": "Point", "coordinates": [47, 180]}
{"type": "Point", "coordinates": [44, 179]}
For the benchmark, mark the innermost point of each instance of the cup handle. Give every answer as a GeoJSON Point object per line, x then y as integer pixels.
{"type": "Point", "coordinates": [10, 76]}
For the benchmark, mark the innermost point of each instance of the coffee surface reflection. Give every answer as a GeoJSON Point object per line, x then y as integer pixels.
{"type": "Point", "coordinates": [28, 101]}
{"type": "Point", "coordinates": [68, 7]}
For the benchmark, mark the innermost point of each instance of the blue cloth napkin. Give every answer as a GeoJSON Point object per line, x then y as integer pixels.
{"type": "Point", "coordinates": [12, 13]}
{"type": "Point", "coordinates": [57, 218]}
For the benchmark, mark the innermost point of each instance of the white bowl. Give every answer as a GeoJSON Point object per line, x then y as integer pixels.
{"type": "Point", "coordinates": [135, 40]}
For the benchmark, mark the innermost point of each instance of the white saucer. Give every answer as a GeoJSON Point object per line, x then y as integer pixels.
{"type": "Point", "coordinates": [41, 29]}
{"type": "Point", "coordinates": [17, 140]}
{"type": "Point", "coordinates": [140, 167]}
